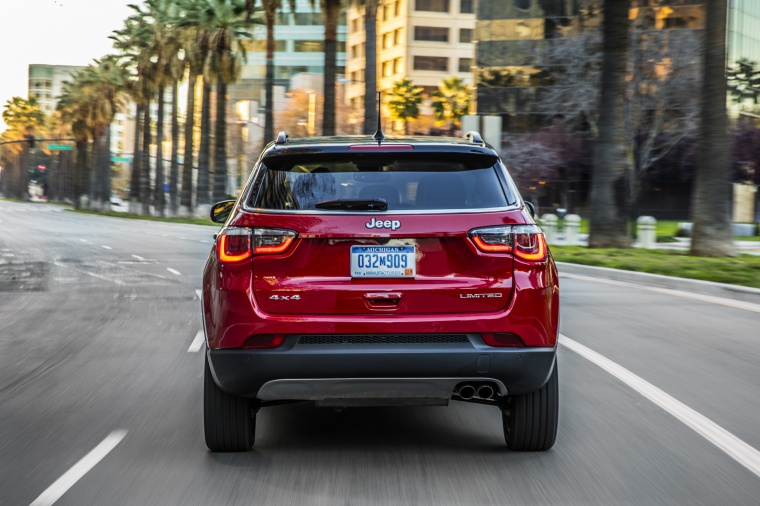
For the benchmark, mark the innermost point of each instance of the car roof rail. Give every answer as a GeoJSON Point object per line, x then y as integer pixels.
{"type": "Point", "coordinates": [282, 138]}
{"type": "Point", "coordinates": [474, 137]}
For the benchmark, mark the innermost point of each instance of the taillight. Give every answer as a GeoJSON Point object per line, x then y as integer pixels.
{"type": "Point", "coordinates": [523, 241]}
{"type": "Point", "coordinates": [264, 341]}
{"type": "Point", "coordinates": [270, 241]}
{"type": "Point", "coordinates": [502, 339]}
{"type": "Point", "coordinates": [234, 245]}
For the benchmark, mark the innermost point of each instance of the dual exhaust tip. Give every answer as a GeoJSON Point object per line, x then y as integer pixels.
{"type": "Point", "coordinates": [468, 391]}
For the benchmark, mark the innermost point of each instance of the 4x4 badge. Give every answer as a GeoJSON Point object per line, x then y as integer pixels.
{"type": "Point", "coordinates": [391, 224]}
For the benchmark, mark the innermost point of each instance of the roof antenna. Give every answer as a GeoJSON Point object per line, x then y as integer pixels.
{"type": "Point", "coordinates": [379, 135]}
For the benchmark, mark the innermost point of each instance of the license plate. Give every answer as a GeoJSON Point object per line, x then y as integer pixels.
{"type": "Point", "coordinates": [383, 262]}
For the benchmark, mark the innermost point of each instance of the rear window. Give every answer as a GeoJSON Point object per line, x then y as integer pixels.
{"type": "Point", "coordinates": [404, 182]}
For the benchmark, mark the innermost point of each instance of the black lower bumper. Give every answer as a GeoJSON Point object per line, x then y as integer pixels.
{"type": "Point", "coordinates": [245, 372]}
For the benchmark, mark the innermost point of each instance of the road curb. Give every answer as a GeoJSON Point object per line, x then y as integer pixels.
{"type": "Point", "coordinates": [735, 292]}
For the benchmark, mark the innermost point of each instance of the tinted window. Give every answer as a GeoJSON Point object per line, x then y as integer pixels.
{"type": "Point", "coordinates": [405, 183]}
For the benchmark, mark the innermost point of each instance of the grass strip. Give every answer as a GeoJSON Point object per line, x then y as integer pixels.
{"type": "Point", "coordinates": [116, 214]}
{"type": "Point", "coordinates": [742, 270]}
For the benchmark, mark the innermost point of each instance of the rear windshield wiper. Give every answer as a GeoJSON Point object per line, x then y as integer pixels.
{"type": "Point", "coordinates": [354, 204]}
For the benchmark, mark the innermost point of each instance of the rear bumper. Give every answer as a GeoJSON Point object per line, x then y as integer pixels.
{"type": "Point", "coordinates": [319, 373]}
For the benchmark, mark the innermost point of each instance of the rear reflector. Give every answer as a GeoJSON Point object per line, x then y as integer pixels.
{"type": "Point", "coordinates": [264, 341]}
{"type": "Point", "coordinates": [383, 147]}
{"type": "Point", "coordinates": [502, 339]}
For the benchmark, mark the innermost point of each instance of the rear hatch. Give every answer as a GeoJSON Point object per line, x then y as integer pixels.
{"type": "Point", "coordinates": [379, 234]}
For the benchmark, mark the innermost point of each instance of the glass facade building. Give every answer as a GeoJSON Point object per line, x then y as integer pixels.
{"type": "Point", "coordinates": [743, 30]}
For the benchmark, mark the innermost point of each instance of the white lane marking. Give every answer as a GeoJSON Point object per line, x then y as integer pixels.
{"type": "Point", "coordinates": [199, 293]}
{"type": "Point", "coordinates": [83, 240]}
{"type": "Point", "coordinates": [197, 343]}
{"type": "Point", "coordinates": [73, 475]}
{"type": "Point", "coordinates": [106, 247]}
{"type": "Point", "coordinates": [174, 271]}
{"type": "Point", "coordinates": [118, 282]}
{"type": "Point", "coordinates": [737, 304]}
{"type": "Point", "coordinates": [734, 447]}
{"type": "Point", "coordinates": [137, 257]}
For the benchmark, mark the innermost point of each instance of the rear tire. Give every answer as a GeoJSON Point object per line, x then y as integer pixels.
{"type": "Point", "coordinates": [229, 422]}
{"type": "Point", "coordinates": [530, 420]}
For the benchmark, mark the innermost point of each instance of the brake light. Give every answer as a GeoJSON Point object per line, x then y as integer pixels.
{"type": "Point", "coordinates": [384, 147]}
{"type": "Point", "coordinates": [234, 245]}
{"type": "Point", "coordinates": [264, 341]}
{"type": "Point", "coordinates": [526, 242]}
{"type": "Point", "coordinates": [272, 241]}
{"type": "Point", "coordinates": [502, 339]}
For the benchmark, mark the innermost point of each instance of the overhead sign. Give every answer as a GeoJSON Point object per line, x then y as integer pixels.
{"type": "Point", "coordinates": [60, 147]}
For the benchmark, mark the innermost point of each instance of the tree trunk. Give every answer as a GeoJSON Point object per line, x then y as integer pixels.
{"type": "Point", "coordinates": [159, 199]}
{"type": "Point", "coordinates": [134, 180]}
{"type": "Point", "coordinates": [370, 70]}
{"type": "Point", "coordinates": [712, 235]}
{"type": "Point", "coordinates": [608, 225]}
{"type": "Point", "coordinates": [269, 79]}
{"type": "Point", "coordinates": [220, 143]}
{"type": "Point", "coordinates": [107, 170]}
{"type": "Point", "coordinates": [186, 198]}
{"type": "Point", "coordinates": [202, 198]}
{"type": "Point", "coordinates": [330, 11]}
{"type": "Point", "coordinates": [174, 166]}
{"type": "Point", "coordinates": [145, 193]}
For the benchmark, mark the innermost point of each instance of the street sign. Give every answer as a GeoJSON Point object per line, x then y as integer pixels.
{"type": "Point", "coordinates": [121, 159]}
{"type": "Point", "coordinates": [60, 147]}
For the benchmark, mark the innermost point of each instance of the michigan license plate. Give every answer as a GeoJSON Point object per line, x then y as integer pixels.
{"type": "Point", "coordinates": [383, 262]}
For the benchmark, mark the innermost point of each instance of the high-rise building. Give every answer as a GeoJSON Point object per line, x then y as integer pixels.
{"type": "Point", "coordinates": [299, 49]}
{"type": "Point", "coordinates": [425, 41]}
{"type": "Point", "coordinates": [46, 83]}
{"type": "Point", "coordinates": [743, 31]}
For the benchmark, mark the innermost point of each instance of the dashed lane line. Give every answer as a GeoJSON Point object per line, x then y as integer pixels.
{"type": "Point", "coordinates": [174, 271]}
{"type": "Point", "coordinates": [737, 304]}
{"type": "Point", "coordinates": [138, 258]}
{"type": "Point", "coordinates": [734, 447]}
{"type": "Point", "coordinates": [73, 475]}
{"type": "Point", "coordinates": [199, 293]}
{"type": "Point", "coordinates": [197, 343]}
{"type": "Point", "coordinates": [106, 247]}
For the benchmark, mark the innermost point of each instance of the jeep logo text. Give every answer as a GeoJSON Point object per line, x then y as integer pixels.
{"type": "Point", "coordinates": [391, 224]}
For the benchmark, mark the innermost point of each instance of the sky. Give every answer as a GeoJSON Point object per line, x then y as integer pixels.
{"type": "Point", "coordinates": [54, 32]}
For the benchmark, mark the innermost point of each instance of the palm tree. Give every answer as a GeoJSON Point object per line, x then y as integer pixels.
{"type": "Point", "coordinates": [270, 8]}
{"type": "Point", "coordinates": [712, 234]}
{"type": "Point", "coordinates": [451, 101]}
{"type": "Point", "coordinates": [228, 23]}
{"type": "Point", "coordinates": [104, 84]}
{"type": "Point", "coordinates": [134, 42]}
{"type": "Point", "coordinates": [331, 10]}
{"type": "Point", "coordinates": [608, 220]}
{"type": "Point", "coordinates": [404, 100]}
{"type": "Point", "coordinates": [194, 41]}
{"type": "Point", "coordinates": [370, 65]}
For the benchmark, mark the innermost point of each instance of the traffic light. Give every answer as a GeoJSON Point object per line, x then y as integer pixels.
{"type": "Point", "coordinates": [30, 140]}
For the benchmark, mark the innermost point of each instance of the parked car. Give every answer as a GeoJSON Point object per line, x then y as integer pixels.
{"type": "Point", "coordinates": [357, 271]}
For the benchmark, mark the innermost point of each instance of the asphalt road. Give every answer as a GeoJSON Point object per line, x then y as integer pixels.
{"type": "Point", "coordinates": [97, 316]}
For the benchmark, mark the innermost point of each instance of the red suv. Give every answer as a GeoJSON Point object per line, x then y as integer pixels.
{"type": "Point", "coordinates": [372, 272]}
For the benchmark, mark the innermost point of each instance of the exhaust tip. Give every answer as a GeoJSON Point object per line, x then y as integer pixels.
{"type": "Point", "coordinates": [485, 391]}
{"type": "Point", "coordinates": [466, 392]}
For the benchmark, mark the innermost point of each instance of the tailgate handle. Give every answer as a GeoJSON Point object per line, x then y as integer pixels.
{"type": "Point", "coordinates": [383, 298]}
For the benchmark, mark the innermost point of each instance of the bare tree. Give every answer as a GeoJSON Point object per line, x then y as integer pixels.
{"type": "Point", "coordinates": [711, 198]}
